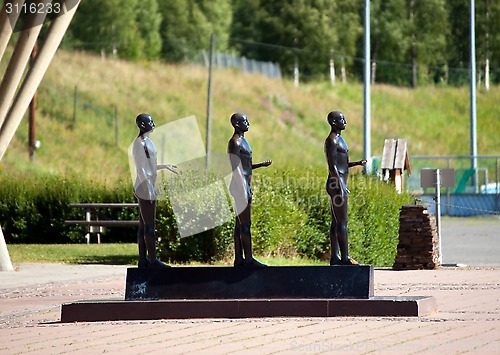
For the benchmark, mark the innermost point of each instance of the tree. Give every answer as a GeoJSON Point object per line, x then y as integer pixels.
{"type": "Point", "coordinates": [148, 21]}
{"type": "Point", "coordinates": [128, 29]}
{"type": "Point", "coordinates": [348, 24]}
{"type": "Point", "coordinates": [488, 38]}
{"type": "Point", "coordinates": [428, 27]}
{"type": "Point", "coordinates": [188, 24]}
{"type": "Point", "coordinates": [458, 40]}
{"type": "Point", "coordinates": [301, 30]}
{"type": "Point", "coordinates": [389, 40]}
{"type": "Point", "coordinates": [487, 18]}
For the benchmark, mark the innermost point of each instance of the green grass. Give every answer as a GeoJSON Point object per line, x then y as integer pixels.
{"type": "Point", "coordinates": [112, 254]}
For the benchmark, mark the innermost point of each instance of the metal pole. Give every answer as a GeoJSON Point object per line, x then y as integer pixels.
{"type": "Point", "coordinates": [473, 123]}
{"type": "Point", "coordinates": [332, 69]}
{"type": "Point", "coordinates": [75, 98]}
{"type": "Point", "coordinates": [35, 75]}
{"type": "Point", "coordinates": [496, 186]}
{"type": "Point", "coordinates": [448, 198]}
{"type": "Point", "coordinates": [438, 212]}
{"type": "Point", "coordinates": [487, 54]}
{"type": "Point", "coordinates": [209, 103]}
{"type": "Point", "coordinates": [367, 123]}
{"type": "Point", "coordinates": [413, 49]}
{"type": "Point", "coordinates": [116, 125]}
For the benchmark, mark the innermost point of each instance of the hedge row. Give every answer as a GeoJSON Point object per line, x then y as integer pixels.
{"type": "Point", "coordinates": [33, 208]}
{"type": "Point", "coordinates": [290, 216]}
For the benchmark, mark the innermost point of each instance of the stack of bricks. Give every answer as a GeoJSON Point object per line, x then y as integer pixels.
{"type": "Point", "coordinates": [418, 246]}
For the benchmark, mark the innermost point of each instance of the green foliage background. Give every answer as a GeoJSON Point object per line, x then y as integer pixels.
{"type": "Point", "coordinates": [83, 156]}
{"type": "Point", "coordinates": [427, 36]}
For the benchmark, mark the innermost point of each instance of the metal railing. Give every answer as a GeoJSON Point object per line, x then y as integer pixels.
{"type": "Point", "coordinates": [481, 180]}
{"type": "Point", "coordinates": [476, 190]}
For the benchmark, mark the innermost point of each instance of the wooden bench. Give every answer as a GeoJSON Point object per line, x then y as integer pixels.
{"type": "Point", "coordinates": [96, 225]}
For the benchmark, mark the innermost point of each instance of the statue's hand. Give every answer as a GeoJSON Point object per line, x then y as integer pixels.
{"type": "Point", "coordinates": [263, 164]}
{"type": "Point", "coordinates": [171, 168]}
{"type": "Point", "coordinates": [344, 190]}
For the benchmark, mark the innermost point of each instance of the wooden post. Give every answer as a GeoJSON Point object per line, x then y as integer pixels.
{"type": "Point", "coordinates": [395, 160]}
{"type": "Point", "coordinates": [89, 227]}
{"type": "Point", "coordinates": [32, 120]}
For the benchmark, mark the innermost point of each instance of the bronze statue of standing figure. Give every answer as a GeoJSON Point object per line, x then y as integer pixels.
{"type": "Point", "coordinates": [337, 157]}
{"type": "Point", "coordinates": [240, 155]}
{"type": "Point", "coordinates": [144, 152]}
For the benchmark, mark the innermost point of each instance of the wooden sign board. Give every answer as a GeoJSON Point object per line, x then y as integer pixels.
{"type": "Point", "coordinates": [428, 177]}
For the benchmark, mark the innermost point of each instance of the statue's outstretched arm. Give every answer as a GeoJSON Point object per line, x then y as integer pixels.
{"type": "Point", "coordinates": [168, 167]}
{"type": "Point", "coordinates": [263, 164]}
{"type": "Point", "coordinates": [356, 163]}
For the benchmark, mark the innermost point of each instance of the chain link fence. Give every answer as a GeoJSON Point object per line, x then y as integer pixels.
{"type": "Point", "coordinates": [246, 65]}
{"type": "Point", "coordinates": [477, 184]}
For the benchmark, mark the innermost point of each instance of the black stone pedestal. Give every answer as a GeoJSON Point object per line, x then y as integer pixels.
{"type": "Point", "coordinates": [240, 282]}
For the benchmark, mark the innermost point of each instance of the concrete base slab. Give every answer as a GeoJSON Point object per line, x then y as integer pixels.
{"type": "Point", "coordinates": [120, 310]}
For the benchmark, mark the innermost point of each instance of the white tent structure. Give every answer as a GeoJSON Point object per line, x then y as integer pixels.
{"type": "Point", "coordinates": [12, 105]}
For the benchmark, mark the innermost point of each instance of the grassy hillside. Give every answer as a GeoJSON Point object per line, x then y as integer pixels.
{"type": "Point", "coordinates": [287, 123]}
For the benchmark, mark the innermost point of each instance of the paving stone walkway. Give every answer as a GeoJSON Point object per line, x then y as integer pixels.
{"type": "Point", "coordinates": [467, 321]}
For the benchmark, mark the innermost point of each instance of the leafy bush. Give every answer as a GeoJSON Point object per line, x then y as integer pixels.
{"type": "Point", "coordinates": [192, 223]}
{"type": "Point", "coordinates": [290, 215]}
{"type": "Point", "coordinates": [33, 208]}
{"type": "Point", "coordinates": [374, 220]}
{"type": "Point", "coordinates": [293, 216]}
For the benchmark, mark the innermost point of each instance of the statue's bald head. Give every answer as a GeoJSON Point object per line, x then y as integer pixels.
{"type": "Point", "coordinates": [237, 117]}
{"type": "Point", "coordinates": [335, 116]}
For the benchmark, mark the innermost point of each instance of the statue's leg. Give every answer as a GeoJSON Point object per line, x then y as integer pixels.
{"type": "Point", "coordinates": [148, 214]}
{"type": "Point", "coordinates": [238, 251]}
{"type": "Point", "coordinates": [141, 244]}
{"type": "Point", "coordinates": [246, 237]}
{"type": "Point", "coordinates": [334, 242]}
{"type": "Point", "coordinates": [340, 210]}
{"type": "Point", "coordinates": [237, 191]}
